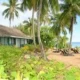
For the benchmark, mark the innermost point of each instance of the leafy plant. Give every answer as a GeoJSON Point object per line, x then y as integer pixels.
{"type": "Point", "coordinates": [13, 66]}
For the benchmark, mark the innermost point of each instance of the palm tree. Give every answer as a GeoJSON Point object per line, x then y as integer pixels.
{"type": "Point", "coordinates": [46, 6]}
{"type": "Point", "coordinates": [54, 5]}
{"type": "Point", "coordinates": [33, 4]}
{"type": "Point", "coordinates": [30, 4]}
{"type": "Point", "coordinates": [57, 29]}
{"type": "Point", "coordinates": [12, 10]}
{"type": "Point", "coordinates": [34, 9]}
{"type": "Point", "coordinates": [42, 9]}
{"type": "Point", "coordinates": [70, 9]}
{"type": "Point", "coordinates": [28, 24]}
{"type": "Point", "coordinates": [25, 28]}
{"type": "Point", "coordinates": [39, 38]}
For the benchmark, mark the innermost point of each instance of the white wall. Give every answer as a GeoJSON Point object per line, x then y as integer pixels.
{"type": "Point", "coordinates": [17, 42]}
{"type": "Point", "coordinates": [20, 42]}
{"type": "Point", "coordinates": [25, 41]}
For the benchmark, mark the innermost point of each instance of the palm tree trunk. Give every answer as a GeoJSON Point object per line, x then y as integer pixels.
{"type": "Point", "coordinates": [39, 38]}
{"type": "Point", "coordinates": [33, 29]}
{"type": "Point", "coordinates": [71, 28]}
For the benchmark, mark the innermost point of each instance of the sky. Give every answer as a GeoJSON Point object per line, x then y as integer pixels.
{"type": "Point", "coordinates": [76, 31]}
{"type": "Point", "coordinates": [27, 14]}
{"type": "Point", "coordinates": [20, 19]}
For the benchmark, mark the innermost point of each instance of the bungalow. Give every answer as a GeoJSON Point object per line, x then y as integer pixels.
{"type": "Point", "coordinates": [13, 36]}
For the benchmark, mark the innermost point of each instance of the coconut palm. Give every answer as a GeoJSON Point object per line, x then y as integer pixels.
{"type": "Point", "coordinates": [25, 28]}
{"type": "Point", "coordinates": [57, 29]}
{"type": "Point", "coordinates": [42, 8]}
{"type": "Point", "coordinates": [39, 38]}
{"type": "Point", "coordinates": [45, 5]}
{"type": "Point", "coordinates": [30, 4]}
{"type": "Point", "coordinates": [39, 12]}
{"type": "Point", "coordinates": [28, 24]}
{"type": "Point", "coordinates": [34, 4]}
{"type": "Point", "coordinates": [70, 9]}
{"type": "Point", "coordinates": [12, 10]}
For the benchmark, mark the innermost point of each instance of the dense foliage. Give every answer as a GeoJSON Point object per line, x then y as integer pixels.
{"type": "Point", "coordinates": [47, 36]}
{"type": "Point", "coordinates": [14, 67]}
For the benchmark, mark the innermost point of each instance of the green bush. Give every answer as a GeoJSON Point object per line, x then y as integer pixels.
{"type": "Point", "coordinates": [72, 74]}
{"type": "Point", "coordinates": [13, 66]}
{"type": "Point", "coordinates": [30, 48]}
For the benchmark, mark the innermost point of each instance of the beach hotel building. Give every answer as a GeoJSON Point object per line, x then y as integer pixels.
{"type": "Point", "coordinates": [13, 36]}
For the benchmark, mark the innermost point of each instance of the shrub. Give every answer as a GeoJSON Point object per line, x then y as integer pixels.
{"type": "Point", "coordinates": [13, 66]}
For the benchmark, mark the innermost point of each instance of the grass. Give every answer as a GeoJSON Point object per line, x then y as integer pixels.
{"type": "Point", "coordinates": [14, 66]}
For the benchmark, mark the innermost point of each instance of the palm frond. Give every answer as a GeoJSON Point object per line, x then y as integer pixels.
{"type": "Point", "coordinates": [5, 11]}
{"type": "Point", "coordinates": [6, 4]}
{"type": "Point", "coordinates": [24, 5]}
{"type": "Point", "coordinates": [16, 13]}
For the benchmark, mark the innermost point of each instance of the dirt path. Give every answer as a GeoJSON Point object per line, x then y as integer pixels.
{"type": "Point", "coordinates": [69, 60]}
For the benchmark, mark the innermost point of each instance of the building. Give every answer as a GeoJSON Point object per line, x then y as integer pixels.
{"type": "Point", "coordinates": [13, 36]}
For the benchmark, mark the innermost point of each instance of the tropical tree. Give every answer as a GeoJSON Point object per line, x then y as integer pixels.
{"type": "Point", "coordinates": [28, 26]}
{"type": "Point", "coordinates": [30, 4]}
{"type": "Point", "coordinates": [12, 10]}
{"type": "Point", "coordinates": [34, 4]}
{"type": "Point", "coordinates": [25, 28]}
{"type": "Point", "coordinates": [70, 9]}
{"type": "Point", "coordinates": [41, 7]}
{"type": "Point", "coordinates": [44, 7]}
{"type": "Point", "coordinates": [47, 36]}
{"type": "Point", "coordinates": [38, 25]}
{"type": "Point", "coordinates": [39, 12]}
{"type": "Point", "coordinates": [62, 43]}
{"type": "Point", "coordinates": [57, 29]}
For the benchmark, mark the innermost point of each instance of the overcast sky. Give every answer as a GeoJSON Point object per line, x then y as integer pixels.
{"type": "Point", "coordinates": [27, 14]}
